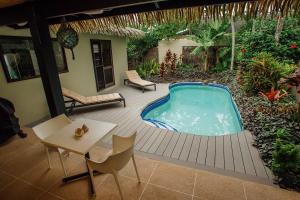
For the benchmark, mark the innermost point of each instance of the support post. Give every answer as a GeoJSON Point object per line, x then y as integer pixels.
{"type": "Point", "coordinates": [45, 56]}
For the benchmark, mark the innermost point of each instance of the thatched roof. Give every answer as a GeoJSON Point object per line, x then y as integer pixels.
{"type": "Point", "coordinates": [120, 23]}
{"type": "Point", "coordinates": [94, 26]}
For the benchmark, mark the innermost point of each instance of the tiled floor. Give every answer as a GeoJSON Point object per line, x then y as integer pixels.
{"type": "Point", "coordinates": [24, 174]}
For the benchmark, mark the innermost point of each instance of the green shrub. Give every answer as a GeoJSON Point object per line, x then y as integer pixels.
{"type": "Point", "coordinates": [224, 55]}
{"type": "Point", "coordinates": [286, 159]}
{"type": "Point", "coordinates": [184, 66]}
{"type": "Point", "coordinates": [263, 72]}
{"type": "Point", "coordinates": [262, 39]}
{"type": "Point", "coordinates": [148, 68]}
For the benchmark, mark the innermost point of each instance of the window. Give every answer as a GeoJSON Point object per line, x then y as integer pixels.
{"type": "Point", "coordinates": [19, 60]}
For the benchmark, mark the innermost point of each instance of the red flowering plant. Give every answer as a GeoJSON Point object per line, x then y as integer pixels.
{"type": "Point", "coordinates": [162, 70]}
{"type": "Point", "coordinates": [243, 50]}
{"type": "Point", "coordinates": [273, 95]}
{"type": "Point", "coordinates": [293, 46]}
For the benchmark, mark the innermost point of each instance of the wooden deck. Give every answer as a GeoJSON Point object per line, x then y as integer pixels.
{"type": "Point", "coordinates": [233, 153]}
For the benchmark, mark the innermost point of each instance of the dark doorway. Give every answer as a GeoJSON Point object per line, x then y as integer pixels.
{"type": "Point", "coordinates": [103, 64]}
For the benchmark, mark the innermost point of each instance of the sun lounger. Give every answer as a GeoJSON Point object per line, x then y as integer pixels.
{"type": "Point", "coordinates": [134, 78]}
{"type": "Point", "coordinates": [83, 101]}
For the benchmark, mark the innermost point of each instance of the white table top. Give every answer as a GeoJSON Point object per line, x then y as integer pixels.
{"type": "Point", "coordinates": [65, 138]}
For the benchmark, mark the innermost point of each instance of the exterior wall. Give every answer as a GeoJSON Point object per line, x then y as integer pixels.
{"type": "Point", "coordinates": [28, 95]}
{"type": "Point", "coordinates": [175, 45]}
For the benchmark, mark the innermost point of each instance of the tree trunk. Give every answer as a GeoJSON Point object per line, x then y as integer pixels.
{"type": "Point", "coordinates": [232, 43]}
{"type": "Point", "coordinates": [253, 26]}
{"type": "Point", "coordinates": [206, 61]}
{"type": "Point", "coordinates": [279, 28]}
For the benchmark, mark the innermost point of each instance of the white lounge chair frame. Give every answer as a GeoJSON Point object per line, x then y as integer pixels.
{"type": "Point", "coordinates": [49, 127]}
{"type": "Point", "coordinates": [134, 79]}
{"type": "Point", "coordinates": [78, 100]}
{"type": "Point", "coordinates": [122, 151]}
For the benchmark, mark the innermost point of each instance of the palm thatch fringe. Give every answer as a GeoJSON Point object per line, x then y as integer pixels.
{"type": "Point", "coordinates": [118, 25]}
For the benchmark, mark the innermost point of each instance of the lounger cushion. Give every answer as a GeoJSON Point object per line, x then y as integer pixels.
{"type": "Point", "coordinates": [92, 99]}
{"type": "Point", "coordinates": [134, 77]}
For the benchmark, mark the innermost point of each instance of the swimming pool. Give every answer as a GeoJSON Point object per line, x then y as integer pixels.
{"type": "Point", "coordinates": [196, 108]}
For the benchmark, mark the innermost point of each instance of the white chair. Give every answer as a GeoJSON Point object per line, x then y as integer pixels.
{"type": "Point", "coordinates": [122, 151]}
{"type": "Point", "coordinates": [49, 127]}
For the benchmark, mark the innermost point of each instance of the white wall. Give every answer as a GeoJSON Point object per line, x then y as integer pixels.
{"type": "Point", "coordinates": [28, 95]}
{"type": "Point", "coordinates": [175, 45]}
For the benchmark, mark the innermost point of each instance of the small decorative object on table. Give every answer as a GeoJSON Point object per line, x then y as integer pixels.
{"type": "Point", "coordinates": [85, 128]}
{"type": "Point", "coordinates": [81, 131]}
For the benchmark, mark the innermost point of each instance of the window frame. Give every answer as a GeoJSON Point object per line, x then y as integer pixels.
{"type": "Point", "coordinates": [5, 67]}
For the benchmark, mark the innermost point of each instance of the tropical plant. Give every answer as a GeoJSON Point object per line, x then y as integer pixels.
{"type": "Point", "coordinates": [206, 38]}
{"type": "Point", "coordinates": [263, 72]}
{"type": "Point", "coordinates": [292, 80]}
{"type": "Point", "coordinates": [284, 46]}
{"type": "Point", "coordinates": [169, 64]}
{"type": "Point", "coordinates": [286, 163]}
{"type": "Point", "coordinates": [273, 95]}
{"type": "Point", "coordinates": [223, 60]}
{"type": "Point", "coordinates": [149, 67]}
{"type": "Point", "coordinates": [137, 48]}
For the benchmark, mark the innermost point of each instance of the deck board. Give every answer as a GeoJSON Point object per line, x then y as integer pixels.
{"type": "Point", "coordinates": [179, 145]}
{"type": "Point", "coordinates": [184, 155]}
{"type": "Point", "coordinates": [158, 141]}
{"type": "Point", "coordinates": [202, 150]}
{"type": "Point", "coordinates": [151, 140]}
{"type": "Point", "coordinates": [248, 163]}
{"type": "Point", "coordinates": [219, 161]}
{"type": "Point", "coordinates": [171, 145]}
{"type": "Point", "coordinates": [234, 153]}
{"type": "Point", "coordinates": [194, 149]}
{"type": "Point", "coordinates": [228, 154]}
{"type": "Point", "coordinates": [211, 152]}
{"type": "Point", "coordinates": [237, 155]}
{"type": "Point", "coordinates": [163, 145]}
{"type": "Point", "coordinates": [259, 166]}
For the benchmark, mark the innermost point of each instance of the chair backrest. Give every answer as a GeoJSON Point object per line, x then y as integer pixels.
{"type": "Point", "coordinates": [132, 75]}
{"type": "Point", "coordinates": [49, 127]}
{"type": "Point", "coordinates": [123, 148]}
{"type": "Point", "coordinates": [73, 95]}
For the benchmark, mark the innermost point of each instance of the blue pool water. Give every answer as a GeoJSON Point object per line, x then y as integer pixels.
{"type": "Point", "coordinates": [196, 108]}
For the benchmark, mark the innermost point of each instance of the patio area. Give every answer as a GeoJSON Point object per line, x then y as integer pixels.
{"type": "Point", "coordinates": [232, 154]}
{"type": "Point", "coordinates": [25, 175]}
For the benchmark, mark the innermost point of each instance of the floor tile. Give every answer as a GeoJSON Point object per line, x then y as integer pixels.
{"type": "Point", "coordinates": [256, 191]}
{"type": "Point", "coordinates": [5, 179]}
{"type": "Point", "coordinates": [24, 160]}
{"type": "Point", "coordinates": [145, 168]}
{"type": "Point", "coordinates": [20, 190]}
{"type": "Point", "coordinates": [48, 196]}
{"type": "Point", "coordinates": [199, 198]}
{"type": "Point", "coordinates": [157, 193]}
{"type": "Point", "coordinates": [78, 189]}
{"type": "Point", "coordinates": [215, 187]}
{"type": "Point", "coordinates": [174, 177]}
{"type": "Point", "coordinates": [42, 176]}
{"type": "Point", "coordinates": [131, 189]}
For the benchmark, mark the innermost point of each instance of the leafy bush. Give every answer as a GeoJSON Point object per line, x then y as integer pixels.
{"type": "Point", "coordinates": [150, 67]}
{"type": "Point", "coordinates": [224, 55]}
{"type": "Point", "coordinates": [262, 39]}
{"type": "Point", "coordinates": [286, 162]}
{"type": "Point", "coordinates": [137, 48]}
{"type": "Point", "coordinates": [263, 72]}
{"type": "Point", "coordinates": [184, 66]}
